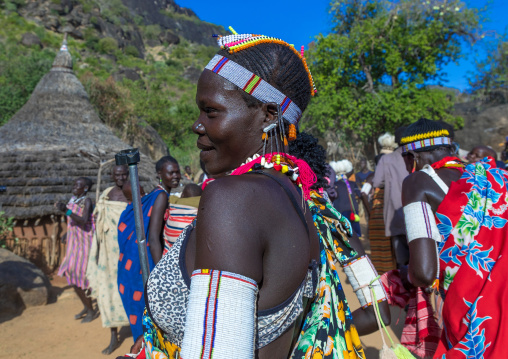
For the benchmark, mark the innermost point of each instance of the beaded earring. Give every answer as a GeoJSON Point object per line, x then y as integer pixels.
{"type": "Point", "coordinates": [265, 138]}
{"type": "Point", "coordinates": [283, 137]}
{"type": "Point", "coordinates": [292, 132]}
{"type": "Point", "coordinates": [414, 166]}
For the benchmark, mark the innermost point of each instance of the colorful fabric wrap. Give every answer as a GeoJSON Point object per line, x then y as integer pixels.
{"type": "Point", "coordinates": [130, 280]}
{"type": "Point", "coordinates": [254, 86]}
{"type": "Point", "coordinates": [421, 331]}
{"type": "Point", "coordinates": [362, 275]}
{"type": "Point", "coordinates": [156, 345]}
{"type": "Point", "coordinates": [212, 329]}
{"type": "Point", "coordinates": [436, 141]}
{"type": "Point", "coordinates": [473, 221]}
{"type": "Point", "coordinates": [328, 331]}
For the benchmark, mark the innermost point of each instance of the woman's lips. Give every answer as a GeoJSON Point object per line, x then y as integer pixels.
{"type": "Point", "coordinates": [204, 147]}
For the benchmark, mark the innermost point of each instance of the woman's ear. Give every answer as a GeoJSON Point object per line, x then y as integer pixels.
{"type": "Point", "coordinates": [270, 111]}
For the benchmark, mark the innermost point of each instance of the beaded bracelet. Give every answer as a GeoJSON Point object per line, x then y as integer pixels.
{"type": "Point", "coordinates": [68, 213]}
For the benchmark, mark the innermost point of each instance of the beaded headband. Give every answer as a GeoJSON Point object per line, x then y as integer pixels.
{"type": "Point", "coordinates": [421, 136]}
{"type": "Point", "coordinates": [255, 86]}
{"type": "Point", "coordinates": [238, 42]}
{"type": "Point", "coordinates": [436, 141]}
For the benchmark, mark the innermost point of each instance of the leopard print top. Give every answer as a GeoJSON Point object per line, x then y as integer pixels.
{"type": "Point", "coordinates": [168, 294]}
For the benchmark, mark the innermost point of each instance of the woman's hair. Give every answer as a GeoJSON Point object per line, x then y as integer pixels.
{"type": "Point", "coordinates": [306, 147]}
{"type": "Point", "coordinates": [387, 140]}
{"type": "Point", "coordinates": [160, 163]}
{"type": "Point", "coordinates": [282, 68]}
{"type": "Point", "coordinates": [342, 167]}
{"type": "Point", "coordinates": [88, 182]}
{"type": "Point", "coordinates": [279, 66]}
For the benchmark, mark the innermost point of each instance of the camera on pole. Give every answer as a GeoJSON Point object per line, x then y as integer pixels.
{"type": "Point", "coordinates": [131, 158]}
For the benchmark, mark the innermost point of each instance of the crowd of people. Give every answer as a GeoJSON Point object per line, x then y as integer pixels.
{"type": "Point", "coordinates": [248, 268]}
{"type": "Point", "coordinates": [102, 259]}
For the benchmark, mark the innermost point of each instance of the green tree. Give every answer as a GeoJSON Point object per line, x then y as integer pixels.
{"type": "Point", "coordinates": [18, 78]}
{"type": "Point", "coordinates": [371, 70]}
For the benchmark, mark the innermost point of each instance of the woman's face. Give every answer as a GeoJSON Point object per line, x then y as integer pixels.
{"type": "Point", "coordinates": [229, 131]}
{"type": "Point", "coordinates": [170, 175]}
{"type": "Point", "coordinates": [78, 187]}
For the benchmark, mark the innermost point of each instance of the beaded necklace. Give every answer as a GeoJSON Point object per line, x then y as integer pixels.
{"type": "Point", "coordinates": [162, 188]}
{"type": "Point", "coordinates": [77, 200]}
{"type": "Point", "coordinates": [449, 162]}
{"type": "Point", "coordinates": [296, 169]}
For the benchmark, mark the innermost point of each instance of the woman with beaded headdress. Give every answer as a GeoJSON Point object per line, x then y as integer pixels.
{"type": "Point", "coordinates": [255, 275]}
{"type": "Point", "coordinates": [456, 222]}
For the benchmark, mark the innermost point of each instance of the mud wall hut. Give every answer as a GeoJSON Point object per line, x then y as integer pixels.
{"type": "Point", "coordinates": [54, 138]}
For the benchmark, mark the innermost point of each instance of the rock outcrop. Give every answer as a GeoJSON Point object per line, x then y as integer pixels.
{"type": "Point", "coordinates": [72, 17]}
{"type": "Point", "coordinates": [22, 284]}
{"type": "Point", "coordinates": [30, 39]}
{"type": "Point", "coordinates": [482, 125]}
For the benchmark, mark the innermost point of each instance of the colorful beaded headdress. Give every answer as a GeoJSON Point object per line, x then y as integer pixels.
{"type": "Point", "coordinates": [250, 82]}
{"type": "Point", "coordinates": [424, 135]}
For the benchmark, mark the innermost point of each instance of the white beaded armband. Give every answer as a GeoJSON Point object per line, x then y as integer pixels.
{"type": "Point", "coordinates": [361, 273]}
{"type": "Point", "coordinates": [420, 222]}
{"type": "Point", "coordinates": [366, 188]}
{"type": "Point", "coordinates": [221, 314]}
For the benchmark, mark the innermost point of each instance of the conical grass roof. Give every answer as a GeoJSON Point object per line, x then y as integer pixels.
{"type": "Point", "coordinates": [54, 138]}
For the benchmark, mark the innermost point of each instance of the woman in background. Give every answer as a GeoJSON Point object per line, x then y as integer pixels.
{"type": "Point", "coordinates": [79, 234]}
{"type": "Point", "coordinates": [154, 207]}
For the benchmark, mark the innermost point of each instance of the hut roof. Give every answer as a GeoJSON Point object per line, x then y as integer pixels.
{"type": "Point", "coordinates": [54, 138]}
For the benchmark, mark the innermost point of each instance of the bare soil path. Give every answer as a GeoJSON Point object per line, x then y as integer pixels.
{"type": "Point", "coordinates": [51, 331]}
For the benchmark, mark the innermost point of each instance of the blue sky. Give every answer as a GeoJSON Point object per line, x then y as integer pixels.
{"type": "Point", "coordinates": [298, 22]}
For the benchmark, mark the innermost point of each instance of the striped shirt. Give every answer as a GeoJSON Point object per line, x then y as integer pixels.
{"type": "Point", "coordinates": [180, 216]}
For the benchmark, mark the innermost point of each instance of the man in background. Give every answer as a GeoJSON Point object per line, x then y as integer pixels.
{"type": "Point", "coordinates": [390, 173]}
{"type": "Point", "coordinates": [102, 270]}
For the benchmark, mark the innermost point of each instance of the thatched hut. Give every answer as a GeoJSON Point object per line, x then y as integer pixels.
{"type": "Point", "coordinates": [54, 138]}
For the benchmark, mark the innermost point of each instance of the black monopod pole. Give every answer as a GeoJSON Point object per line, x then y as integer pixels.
{"type": "Point", "coordinates": [131, 158]}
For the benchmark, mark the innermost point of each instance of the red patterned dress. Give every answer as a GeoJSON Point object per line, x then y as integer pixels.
{"type": "Point", "coordinates": [472, 220]}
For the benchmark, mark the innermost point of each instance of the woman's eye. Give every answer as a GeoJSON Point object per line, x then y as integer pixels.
{"type": "Point", "coordinates": [210, 110]}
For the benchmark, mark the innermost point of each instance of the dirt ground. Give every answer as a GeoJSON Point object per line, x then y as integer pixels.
{"type": "Point", "coordinates": [51, 332]}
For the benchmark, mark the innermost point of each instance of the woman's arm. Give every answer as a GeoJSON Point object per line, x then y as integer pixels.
{"type": "Point", "coordinates": [81, 220]}
{"type": "Point", "coordinates": [365, 319]}
{"type": "Point", "coordinates": [422, 251]}
{"type": "Point", "coordinates": [156, 224]}
{"type": "Point", "coordinates": [228, 267]}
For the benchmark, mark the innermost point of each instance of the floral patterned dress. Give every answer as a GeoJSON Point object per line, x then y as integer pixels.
{"type": "Point", "coordinates": [328, 330]}
{"type": "Point", "coordinates": [472, 220]}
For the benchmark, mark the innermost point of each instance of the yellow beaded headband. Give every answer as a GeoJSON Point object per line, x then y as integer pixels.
{"type": "Point", "coordinates": [422, 136]}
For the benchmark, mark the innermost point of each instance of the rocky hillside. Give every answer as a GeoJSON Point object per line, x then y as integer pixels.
{"type": "Point", "coordinates": [138, 60]}
{"type": "Point", "coordinates": [129, 22]}
{"type": "Point", "coordinates": [485, 124]}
